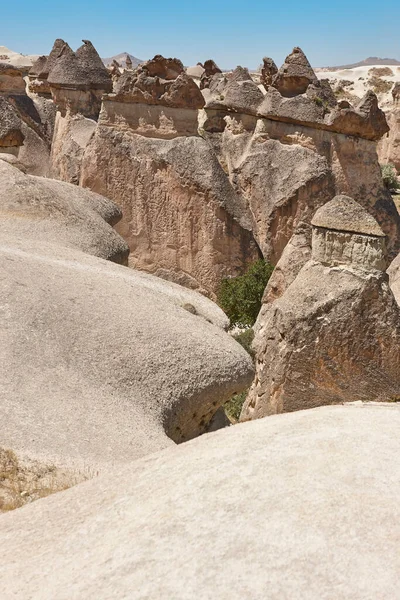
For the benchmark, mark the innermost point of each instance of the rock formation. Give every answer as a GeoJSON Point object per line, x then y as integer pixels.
{"type": "Point", "coordinates": [394, 278]}
{"type": "Point", "coordinates": [287, 156]}
{"type": "Point", "coordinates": [146, 154]}
{"type": "Point", "coordinates": [99, 364]}
{"type": "Point", "coordinates": [334, 334]}
{"type": "Point", "coordinates": [11, 136]}
{"type": "Point", "coordinates": [389, 146]}
{"type": "Point", "coordinates": [295, 75]}
{"type": "Point", "coordinates": [55, 212]}
{"type": "Point", "coordinates": [300, 505]}
{"type": "Point", "coordinates": [35, 117]}
{"type": "Point", "coordinates": [78, 80]}
{"type": "Point", "coordinates": [268, 71]}
{"type": "Point", "coordinates": [234, 167]}
{"type": "Point", "coordinates": [210, 69]}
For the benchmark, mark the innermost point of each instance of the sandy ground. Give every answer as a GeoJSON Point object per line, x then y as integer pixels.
{"type": "Point", "coordinates": [15, 58]}
{"type": "Point", "coordinates": [360, 79]}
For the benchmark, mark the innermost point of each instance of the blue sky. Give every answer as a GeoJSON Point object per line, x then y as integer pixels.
{"type": "Point", "coordinates": [232, 33]}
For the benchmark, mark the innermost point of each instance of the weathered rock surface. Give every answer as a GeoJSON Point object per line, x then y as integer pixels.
{"type": "Point", "coordinates": [35, 116]}
{"type": "Point", "coordinates": [210, 69]}
{"type": "Point", "coordinates": [334, 334]}
{"type": "Point", "coordinates": [268, 71]}
{"type": "Point", "coordinates": [101, 364]}
{"type": "Point", "coordinates": [72, 134]}
{"type": "Point", "coordinates": [394, 277]}
{"type": "Point", "coordinates": [36, 208]}
{"type": "Point", "coordinates": [11, 136]}
{"type": "Point", "coordinates": [182, 218]}
{"type": "Point", "coordinates": [274, 161]}
{"type": "Point", "coordinates": [11, 80]}
{"type": "Point", "coordinates": [313, 479]}
{"type": "Point", "coordinates": [78, 80]}
{"type": "Point", "coordinates": [295, 75]}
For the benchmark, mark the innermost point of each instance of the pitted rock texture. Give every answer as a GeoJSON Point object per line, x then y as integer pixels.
{"type": "Point", "coordinates": [139, 87]}
{"type": "Point", "coordinates": [78, 79]}
{"type": "Point", "coordinates": [299, 518]}
{"type": "Point", "coordinates": [295, 75]}
{"type": "Point", "coordinates": [11, 135]}
{"type": "Point", "coordinates": [394, 277]}
{"type": "Point", "coordinates": [334, 334]}
{"type": "Point", "coordinates": [268, 71]}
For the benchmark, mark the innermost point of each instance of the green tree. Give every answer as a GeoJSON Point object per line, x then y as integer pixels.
{"type": "Point", "coordinates": [240, 297]}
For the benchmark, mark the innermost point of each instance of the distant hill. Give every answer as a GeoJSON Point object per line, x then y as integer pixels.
{"type": "Point", "coordinates": [368, 62]}
{"type": "Point", "coordinates": [121, 58]}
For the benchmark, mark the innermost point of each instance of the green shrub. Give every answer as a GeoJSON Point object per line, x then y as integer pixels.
{"type": "Point", "coordinates": [389, 176]}
{"type": "Point", "coordinates": [233, 407]}
{"type": "Point", "coordinates": [245, 338]}
{"type": "Point", "coordinates": [240, 297]}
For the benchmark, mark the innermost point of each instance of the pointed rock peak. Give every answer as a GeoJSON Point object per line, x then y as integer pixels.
{"type": "Point", "coordinates": [239, 74]}
{"type": "Point", "coordinates": [81, 69]}
{"type": "Point", "coordinates": [345, 214]}
{"type": "Point", "coordinates": [55, 53]}
{"type": "Point", "coordinates": [297, 57]}
{"type": "Point", "coordinates": [89, 57]}
{"type": "Point", "coordinates": [211, 68]}
{"type": "Point", "coordinates": [295, 75]}
{"type": "Point", "coordinates": [368, 103]}
{"type": "Point", "coordinates": [38, 66]}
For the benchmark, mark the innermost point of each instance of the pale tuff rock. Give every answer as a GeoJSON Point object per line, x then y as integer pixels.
{"type": "Point", "coordinates": [300, 505]}
{"type": "Point", "coordinates": [317, 343]}
{"type": "Point", "coordinates": [55, 212]}
{"type": "Point", "coordinates": [148, 133]}
{"type": "Point", "coordinates": [83, 382]}
{"type": "Point", "coordinates": [277, 157]}
{"type": "Point", "coordinates": [102, 364]}
{"type": "Point", "coordinates": [394, 277]}
{"type": "Point", "coordinates": [36, 118]}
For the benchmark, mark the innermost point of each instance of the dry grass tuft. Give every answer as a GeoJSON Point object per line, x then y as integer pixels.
{"type": "Point", "coordinates": [381, 72]}
{"type": "Point", "coordinates": [24, 483]}
{"type": "Point", "coordinates": [380, 86]}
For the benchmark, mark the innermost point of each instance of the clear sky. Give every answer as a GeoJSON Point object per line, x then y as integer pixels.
{"type": "Point", "coordinates": [231, 32]}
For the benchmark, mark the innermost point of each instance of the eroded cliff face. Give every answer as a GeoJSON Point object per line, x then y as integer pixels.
{"type": "Point", "coordinates": [208, 180]}
{"type": "Point", "coordinates": [181, 217]}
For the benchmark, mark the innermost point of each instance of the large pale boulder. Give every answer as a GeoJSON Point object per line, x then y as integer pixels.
{"type": "Point", "coordinates": [301, 505]}
{"type": "Point", "coordinates": [334, 334]}
{"type": "Point", "coordinates": [101, 364]}
{"type": "Point", "coordinates": [56, 212]}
